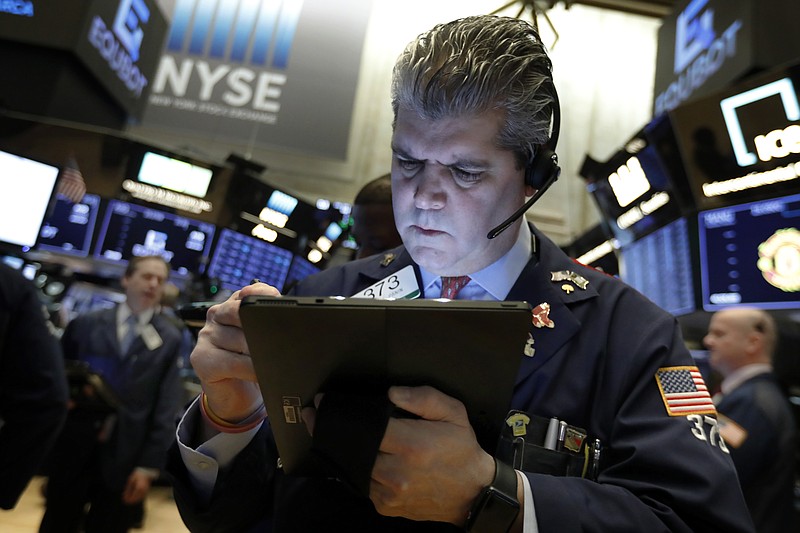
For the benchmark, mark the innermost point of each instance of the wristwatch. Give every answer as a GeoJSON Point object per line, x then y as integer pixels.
{"type": "Point", "coordinates": [497, 506]}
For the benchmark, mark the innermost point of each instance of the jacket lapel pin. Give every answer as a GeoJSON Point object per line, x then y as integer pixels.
{"type": "Point", "coordinates": [568, 275]}
{"type": "Point", "coordinates": [541, 316]}
{"type": "Point", "coordinates": [529, 350]}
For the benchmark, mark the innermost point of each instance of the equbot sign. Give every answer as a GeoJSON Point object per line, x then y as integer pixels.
{"type": "Point", "coordinates": [120, 45]}
{"type": "Point", "coordinates": [278, 72]}
{"type": "Point", "coordinates": [707, 50]}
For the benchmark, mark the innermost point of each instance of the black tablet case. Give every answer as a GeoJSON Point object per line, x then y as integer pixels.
{"type": "Point", "coordinates": [470, 350]}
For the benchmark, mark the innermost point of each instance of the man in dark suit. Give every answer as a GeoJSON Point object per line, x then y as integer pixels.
{"type": "Point", "coordinates": [33, 388]}
{"type": "Point", "coordinates": [473, 105]}
{"type": "Point", "coordinates": [373, 219]}
{"type": "Point", "coordinates": [755, 418]}
{"type": "Point", "coordinates": [111, 461]}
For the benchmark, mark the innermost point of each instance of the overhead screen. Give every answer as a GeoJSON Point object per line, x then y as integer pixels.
{"type": "Point", "coordinates": [639, 189]}
{"type": "Point", "coordinates": [743, 143]}
{"type": "Point", "coordinates": [129, 230]}
{"type": "Point", "coordinates": [750, 254]}
{"type": "Point", "coordinates": [26, 187]}
{"type": "Point", "coordinates": [70, 226]}
{"type": "Point", "coordinates": [298, 270]}
{"type": "Point", "coordinates": [175, 174]}
{"type": "Point", "coordinates": [660, 266]}
{"type": "Point", "coordinates": [239, 258]}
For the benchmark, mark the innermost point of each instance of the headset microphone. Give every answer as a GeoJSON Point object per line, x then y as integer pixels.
{"type": "Point", "coordinates": [541, 173]}
{"type": "Point", "coordinates": [521, 211]}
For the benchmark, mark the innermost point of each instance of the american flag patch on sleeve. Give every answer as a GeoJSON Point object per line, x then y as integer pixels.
{"type": "Point", "coordinates": [684, 392]}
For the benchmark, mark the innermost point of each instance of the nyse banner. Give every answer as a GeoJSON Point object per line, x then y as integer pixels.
{"type": "Point", "coordinates": [280, 74]}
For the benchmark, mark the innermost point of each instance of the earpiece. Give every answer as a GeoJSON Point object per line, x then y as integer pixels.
{"type": "Point", "coordinates": [542, 171]}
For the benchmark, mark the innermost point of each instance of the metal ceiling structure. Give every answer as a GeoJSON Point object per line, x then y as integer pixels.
{"type": "Point", "coordinates": [649, 8]}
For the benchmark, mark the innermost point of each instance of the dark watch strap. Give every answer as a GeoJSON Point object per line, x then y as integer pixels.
{"type": "Point", "coordinates": [497, 506]}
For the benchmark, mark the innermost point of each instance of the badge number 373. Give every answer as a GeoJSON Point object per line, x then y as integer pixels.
{"type": "Point", "coordinates": [706, 428]}
{"type": "Point", "coordinates": [383, 288]}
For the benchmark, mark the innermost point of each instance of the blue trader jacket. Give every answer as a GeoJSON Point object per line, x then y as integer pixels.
{"type": "Point", "coordinates": [596, 368]}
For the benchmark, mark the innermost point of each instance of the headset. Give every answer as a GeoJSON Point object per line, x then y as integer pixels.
{"type": "Point", "coordinates": [541, 172]}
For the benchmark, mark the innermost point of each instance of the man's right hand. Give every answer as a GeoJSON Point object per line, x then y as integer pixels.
{"type": "Point", "coordinates": [221, 359]}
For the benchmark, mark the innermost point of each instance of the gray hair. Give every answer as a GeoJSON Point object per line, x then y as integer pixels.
{"type": "Point", "coordinates": [473, 65]}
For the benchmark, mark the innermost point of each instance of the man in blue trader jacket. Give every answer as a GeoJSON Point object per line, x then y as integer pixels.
{"type": "Point", "coordinates": [473, 103]}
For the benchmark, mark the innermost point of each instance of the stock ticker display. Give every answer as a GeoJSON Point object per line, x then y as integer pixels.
{"type": "Point", "coordinates": [129, 230]}
{"type": "Point", "coordinates": [660, 267]}
{"type": "Point", "coordinates": [239, 258]}
{"type": "Point", "coordinates": [70, 226]}
{"type": "Point", "coordinates": [750, 254]}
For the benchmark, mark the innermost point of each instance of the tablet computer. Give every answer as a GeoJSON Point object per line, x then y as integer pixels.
{"type": "Point", "coordinates": [470, 350]}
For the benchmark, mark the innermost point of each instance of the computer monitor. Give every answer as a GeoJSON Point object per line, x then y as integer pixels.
{"type": "Point", "coordinates": [129, 230]}
{"type": "Point", "coordinates": [238, 259]}
{"type": "Point", "coordinates": [26, 187]}
{"type": "Point", "coordinates": [82, 297]}
{"type": "Point", "coordinates": [70, 226]}
{"type": "Point", "coordinates": [660, 266]}
{"type": "Point", "coordinates": [750, 254]}
{"type": "Point", "coordinates": [299, 269]}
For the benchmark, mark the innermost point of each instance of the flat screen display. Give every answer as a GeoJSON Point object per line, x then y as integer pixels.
{"type": "Point", "coordinates": [635, 189]}
{"type": "Point", "coordinates": [175, 174]}
{"type": "Point", "coordinates": [299, 269]}
{"type": "Point", "coordinates": [741, 144]}
{"type": "Point", "coordinates": [129, 230]}
{"type": "Point", "coordinates": [82, 297]}
{"type": "Point", "coordinates": [750, 254]}
{"type": "Point", "coordinates": [660, 267]}
{"type": "Point", "coordinates": [70, 226]}
{"type": "Point", "coordinates": [239, 258]}
{"type": "Point", "coordinates": [26, 187]}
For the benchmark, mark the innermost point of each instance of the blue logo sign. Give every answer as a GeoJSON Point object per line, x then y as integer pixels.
{"type": "Point", "coordinates": [131, 14]}
{"type": "Point", "coordinates": [20, 8]}
{"type": "Point", "coordinates": [241, 31]}
{"type": "Point", "coordinates": [694, 33]}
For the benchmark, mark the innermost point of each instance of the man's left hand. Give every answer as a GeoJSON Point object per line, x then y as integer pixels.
{"type": "Point", "coordinates": [431, 468]}
{"type": "Point", "coordinates": [137, 486]}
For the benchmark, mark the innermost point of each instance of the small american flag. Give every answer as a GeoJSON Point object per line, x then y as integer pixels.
{"type": "Point", "coordinates": [684, 392]}
{"type": "Point", "coordinates": [70, 182]}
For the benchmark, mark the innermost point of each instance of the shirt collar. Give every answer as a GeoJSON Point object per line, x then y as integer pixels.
{"type": "Point", "coordinates": [741, 375]}
{"type": "Point", "coordinates": [124, 311]}
{"type": "Point", "coordinates": [497, 278]}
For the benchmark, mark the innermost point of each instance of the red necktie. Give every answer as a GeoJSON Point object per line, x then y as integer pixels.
{"type": "Point", "coordinates": [452, 284]}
